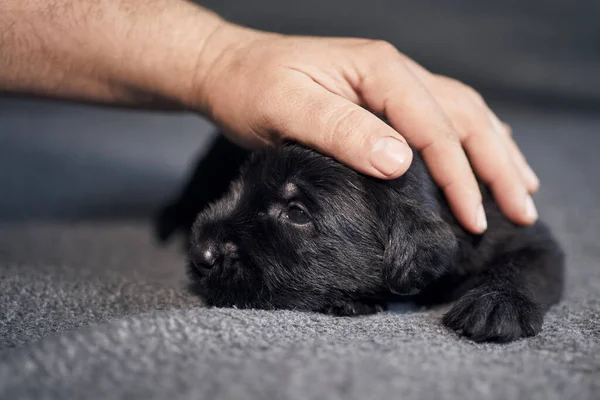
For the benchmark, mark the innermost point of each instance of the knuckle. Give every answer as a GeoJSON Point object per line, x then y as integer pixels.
{"type": "Point", "coordinates": [473, 95]}
{"type": "Point", "coordinates": [384, 48]}
{"type": "Point", "coordinates": [467, 92]}
{"type": "Point", "coordinates": [504, 176]}
{"type": "Point", "coordinates": [475, 125]}
{"type": "Point", "coordinates": [468, 140]}
{"type": "Point", "coordinates": [345, 127]}
{"type": "Point", "coordinates": [469, 112]}
{"type": "Point", "coordinates": [451, 136]}
{"type": "Point", "coordinates": [506, 185]}
{"type": "Point", "coordinates": [447, 138]}
{"type": "Point", "coordinates": [474, 120]}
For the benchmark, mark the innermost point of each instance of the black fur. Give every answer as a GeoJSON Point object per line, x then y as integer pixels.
{"type": "Point", "coordinates": [367, 242]}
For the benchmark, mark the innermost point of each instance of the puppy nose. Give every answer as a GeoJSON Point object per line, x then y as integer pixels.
{"type": "Point", "coordinates": [205, 255]}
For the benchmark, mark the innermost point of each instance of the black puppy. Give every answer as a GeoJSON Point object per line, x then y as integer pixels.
{"type": "Point", "coordinates": [298, 230]}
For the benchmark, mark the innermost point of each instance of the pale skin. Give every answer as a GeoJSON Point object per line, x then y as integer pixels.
{"type": "Point", "coordinates": [262, 87]}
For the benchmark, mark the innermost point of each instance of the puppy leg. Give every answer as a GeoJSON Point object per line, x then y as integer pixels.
{"type": "Point", "coordinates": [508, 299]}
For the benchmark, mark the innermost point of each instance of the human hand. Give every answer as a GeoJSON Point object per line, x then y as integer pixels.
{"type": "Point", "coordinates": [263, 87]}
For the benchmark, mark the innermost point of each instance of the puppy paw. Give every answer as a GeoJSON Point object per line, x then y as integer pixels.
{"type": "Point", "coordinates": [486, 314]}
{"type": "Point", "coordinates": [349, 309]}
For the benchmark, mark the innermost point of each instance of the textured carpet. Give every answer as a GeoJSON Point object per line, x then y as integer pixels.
{"type": "Point", "coordinates": [93, 309]}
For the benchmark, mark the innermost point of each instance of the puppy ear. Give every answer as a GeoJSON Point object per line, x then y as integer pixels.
{"type": "Point", "coordinates": [421, 247]}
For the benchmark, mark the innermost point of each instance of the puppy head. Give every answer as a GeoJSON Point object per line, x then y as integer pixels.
{"type": "Point", "coordinates": [296, 230]}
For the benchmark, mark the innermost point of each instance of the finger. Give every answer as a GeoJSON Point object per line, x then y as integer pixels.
{"type": "Point", "coordinates": [494, 165]}
{"type": "Point", "coordinates": [483, 140]}
{"type": "Point", "coordinates": [531, 180]}
{"type": "Point", "coordinates": [491, 158]}
{"type": "Point", "coordinates": [506, 126]}
{"type": "Point", "coordinates": [311, 115]}
{"type": "Point", "coordinates": [394, 90]}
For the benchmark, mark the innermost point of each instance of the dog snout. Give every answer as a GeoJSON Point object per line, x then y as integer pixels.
{"type": "Point", "coordinates": [206, 255]}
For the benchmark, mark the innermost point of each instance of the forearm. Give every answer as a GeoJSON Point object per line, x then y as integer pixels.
{"type": "Point", "coordinates": [121, 52]}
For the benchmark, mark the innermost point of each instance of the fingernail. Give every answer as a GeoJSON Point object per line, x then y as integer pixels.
{"type": "Point", "coordinates": [530, 210]}
{"type": "Point", "coordinates": [388, 155]}
{"type": "Point", "coordinates": [481, 219]}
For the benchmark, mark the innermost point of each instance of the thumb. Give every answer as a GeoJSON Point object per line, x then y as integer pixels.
{"type": "Point", "coordinates": [343, 130]}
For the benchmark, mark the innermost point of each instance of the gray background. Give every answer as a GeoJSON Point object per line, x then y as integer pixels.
{"type": "Point", "coordinates": [91, 307]}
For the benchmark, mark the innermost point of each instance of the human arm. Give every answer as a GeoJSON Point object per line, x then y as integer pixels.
{"type": "Point", "coordinates": [263, 87]}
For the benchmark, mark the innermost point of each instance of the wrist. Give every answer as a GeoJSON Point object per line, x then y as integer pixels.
{"type": "Point", "coordinates": [168, 63]}
{"type": "Point", "coordinates": [219, 61]}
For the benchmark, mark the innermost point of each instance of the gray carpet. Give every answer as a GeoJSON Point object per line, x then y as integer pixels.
{"type": "Point", "coordinates": [92, 308]}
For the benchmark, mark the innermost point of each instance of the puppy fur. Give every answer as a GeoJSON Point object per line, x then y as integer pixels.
{"type": "Point", "coordinates": [298, 230]}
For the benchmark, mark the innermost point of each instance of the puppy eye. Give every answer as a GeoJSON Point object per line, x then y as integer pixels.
{"type": "Point", "coordinates": [297, 214]}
